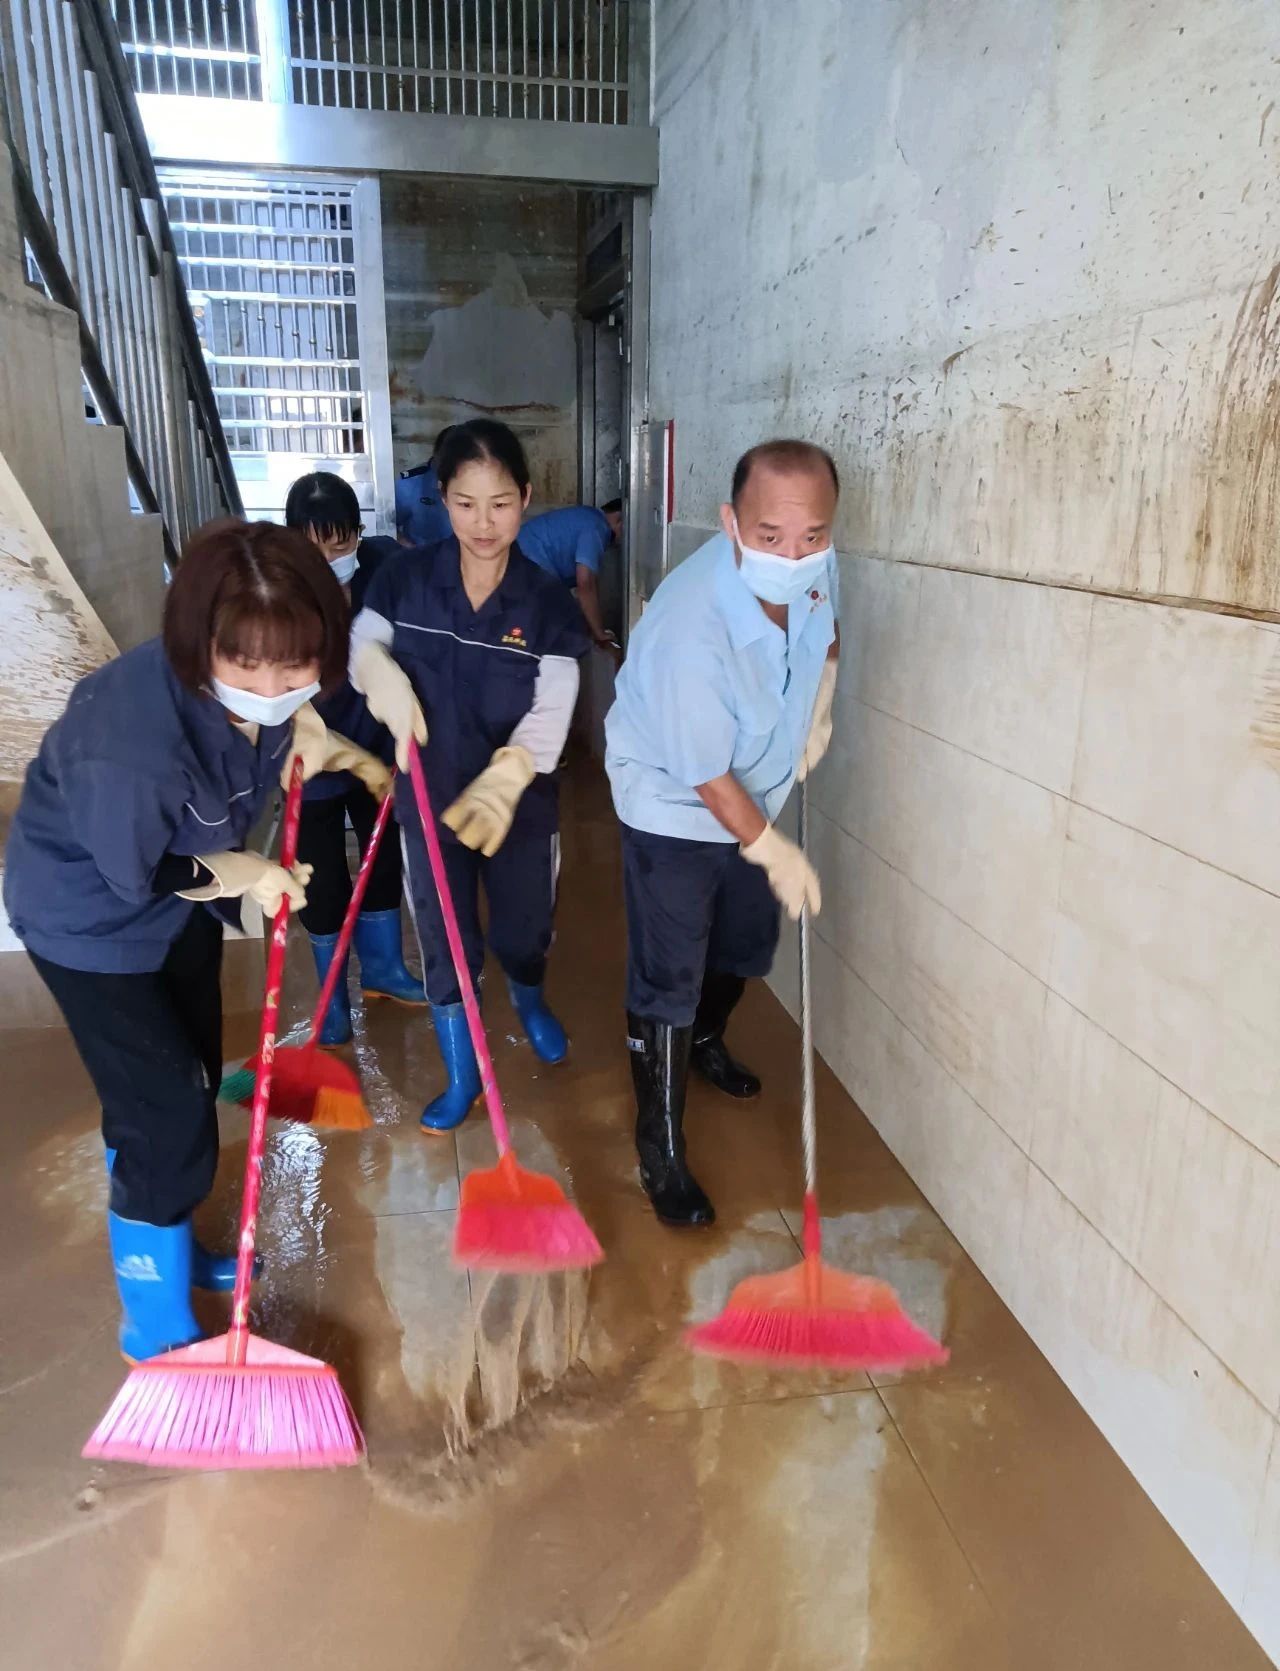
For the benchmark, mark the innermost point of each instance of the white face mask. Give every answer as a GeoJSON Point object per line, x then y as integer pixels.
{"type": "Point", "coordinates": [781, 580]}
{"type": "Point", "coordinates": [263, 710]}
{"type": "Point", "coordinates": [344, 567]}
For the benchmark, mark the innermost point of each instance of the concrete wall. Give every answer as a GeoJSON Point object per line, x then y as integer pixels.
{"type": "Point", "coordinates": [1016, 263]}
{"type": "Point", "coordinates": [481, 286]}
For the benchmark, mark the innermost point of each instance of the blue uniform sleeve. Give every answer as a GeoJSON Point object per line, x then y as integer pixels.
{"type": "Point", "coordinates": [590, 546]}
{"type": "Point", "coordinates": [124, 821]}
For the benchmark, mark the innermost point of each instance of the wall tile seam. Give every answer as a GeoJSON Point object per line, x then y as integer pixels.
{"type": "Point", "coordinates": [1136, 1268]}
{"type": "Point", "coordinates": [1054, 583]}
{"type": "Point", "coordinates": [1044, 985]}
{"type": "Point", "coordinates": [1270, 1416]}
{"type": "Point", "coordinates": [1067, 800]}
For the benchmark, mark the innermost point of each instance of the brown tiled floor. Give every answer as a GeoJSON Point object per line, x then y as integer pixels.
{"type": "Point", "coordinates": [645, 1508]}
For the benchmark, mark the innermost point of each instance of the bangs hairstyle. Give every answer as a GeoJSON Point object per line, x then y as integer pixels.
{"type": "Point", "coordinates": [255, 592]}
{"type": "Point", "coordinates": [325, 503]}
{"type": "Point", "coordinates": [482, 441]}
{"type": "Point", "coordinates": [786, 457]}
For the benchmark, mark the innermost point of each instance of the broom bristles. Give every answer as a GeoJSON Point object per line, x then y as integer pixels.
{"type": "Point", "coordinates": [811, 1316]}
{"type": "Point", "coordinates": [237, 1086]}
{"type": "Point", "coordinates": [498, 1237]}
{"type": "Point", "coordinates": [192, 1409]}
{"type": "Point", "coordinates": [307, 1085]}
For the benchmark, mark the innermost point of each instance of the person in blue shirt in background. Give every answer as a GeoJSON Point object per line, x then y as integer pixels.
{"type": "Point", "coordinates": [421, 519]}
{"type": "Point", "coordinates": [324, 507]}
{"type": "Point", "coordinates": [570, 544]}
{"type": "Point", "coordinates": [133, 817]}
{"type": "Point", "coordinates": [724, 700]}
{"type": "Point", "coordinates": [478, 647]}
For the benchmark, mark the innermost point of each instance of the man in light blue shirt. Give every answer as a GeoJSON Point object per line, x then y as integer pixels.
{"type": "Point", "coordinates": [570, 544]}
{"type": "Point", "coordinates": [723, 702]}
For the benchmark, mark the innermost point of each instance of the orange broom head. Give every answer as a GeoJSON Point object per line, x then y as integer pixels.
{"type": "Point", "coordinates": [309, 1085]}
{"type": "Point", "coordinates": [192, 1409]}
{"type": "Point", "coordinates": [513, 1220]}
{"type": "Point", "coordinates": [810, 1316]}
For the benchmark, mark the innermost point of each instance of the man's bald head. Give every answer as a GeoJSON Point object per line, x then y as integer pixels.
{"type": "Point", "coordinates": [784, 499]}
{"type": "Point", "coordinates": [783, 457]}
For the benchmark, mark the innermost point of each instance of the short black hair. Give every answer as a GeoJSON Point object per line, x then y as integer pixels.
{"type": "Point", "coordinates": [254, 592]}
{"type": "Point", "coordinates": [482, 441]}
{"type": "Point", "coordinates": [324, 502]}
{"type": "Point", "coordinates": [614, 505]}
{"type": "Point", "coordinates": [785, 455]}
{"type": "Point", "coordinates": [443, 436]}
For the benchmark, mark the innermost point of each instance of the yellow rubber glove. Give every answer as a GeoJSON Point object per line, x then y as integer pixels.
{"type": "Point", "coordinates": [793, 879]}
{"type": "Point", "coordinates": [482, 814]}
{"type": "Point", "coordinates": [241, 875]}
{"type": "Point", "coordinates": [385, 686]}
{"type": "Point", "coordinates": [322, 750]}
{"type": "Point", "coordinates": [820, 725]}
{"type": "Point", "coordinates": [349, 757]}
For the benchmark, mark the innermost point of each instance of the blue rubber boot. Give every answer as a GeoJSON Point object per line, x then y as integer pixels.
{"type": "Point", "coordinates": [153, 1276]}
{"type": "Point", "coordinates": [212, 1273]}
{"type": "Point", "coordinates": [336, 1026]}
{"type": "Point", "coordinates": [451, 1108]}
{"type": "Point", "coordinates": [546, 1035]}
{"type": "Point", "coordinates": [381, 952]}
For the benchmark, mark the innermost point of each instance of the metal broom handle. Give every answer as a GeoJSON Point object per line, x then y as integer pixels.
{"type": "Point", "coordinates": [809, 1123]}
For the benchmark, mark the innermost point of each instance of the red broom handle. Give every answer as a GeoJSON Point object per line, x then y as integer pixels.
{"type": "Point", "coordinates": [492, 1096]}
{"type": "Point", "coordinates": [238, 1335]}
{"type": "Point", "coordinates": [349, 921]}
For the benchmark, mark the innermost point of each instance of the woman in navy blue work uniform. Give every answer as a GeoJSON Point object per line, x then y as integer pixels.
{"type": "Point", "coordinates": [477, 645]}
{"type": "Point", "coordinates": [134, 813]}
{"type": "Point", "coordinates": [325, 508]}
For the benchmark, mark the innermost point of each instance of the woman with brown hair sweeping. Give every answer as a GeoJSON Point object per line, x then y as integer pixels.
{"type": "Point", "coordinates": [133, 817]}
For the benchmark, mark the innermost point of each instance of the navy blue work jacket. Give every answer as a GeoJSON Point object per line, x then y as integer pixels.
{"type": "Point", "coordinates": [475, 671]}
{"type": "Point", "coordinates": [138, 766]}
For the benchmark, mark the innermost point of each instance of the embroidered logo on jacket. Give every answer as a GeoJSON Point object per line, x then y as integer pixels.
{"type": "Point", "coordinates": [516, 637]}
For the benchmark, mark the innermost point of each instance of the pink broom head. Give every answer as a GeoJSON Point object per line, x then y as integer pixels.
{"type": "Point", "coordinates": [812, 1316]}
{"type": "Point", "coordinates": [192, 1409]}
{"type": "Point", "coordinates": [518, 1221]}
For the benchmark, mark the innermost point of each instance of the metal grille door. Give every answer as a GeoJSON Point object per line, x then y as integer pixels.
{"type": "Point", "coordinates": [285, 298]}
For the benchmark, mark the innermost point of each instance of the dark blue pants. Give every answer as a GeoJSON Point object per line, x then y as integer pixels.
{"type": "Point", "coordinates": [152, 1045]}
{"type": "Point", "coordinates": [520, 888]}
{"type": "Point", "coordinates": [691, 906]}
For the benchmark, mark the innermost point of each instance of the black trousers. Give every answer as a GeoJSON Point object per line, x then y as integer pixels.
{"type": "Point", "coordinates": [322, 843]}
{"type": "Point", "coordinates": [520, 887]}
{"type": "Point", "coordinates": [691, 906]}
{"type": "Point", "coordinates": [152, 1045]}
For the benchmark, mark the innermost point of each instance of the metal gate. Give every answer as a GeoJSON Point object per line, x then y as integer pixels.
{"type": "Point", "coordinates": [285, 281]}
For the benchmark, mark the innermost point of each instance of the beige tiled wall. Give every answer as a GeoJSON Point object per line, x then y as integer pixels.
{"type": "Point", "coordinates": [1048, 967]}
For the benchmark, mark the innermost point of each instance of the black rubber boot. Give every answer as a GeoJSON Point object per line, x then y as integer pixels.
{"type": "Point", "coordinates": [720, 993]}
{"type": "Point", "coordinates": [659, 1068]}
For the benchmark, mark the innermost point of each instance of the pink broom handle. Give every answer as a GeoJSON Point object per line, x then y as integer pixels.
{"type": "Point", "coordinates": [349, 921]}
{"type": "Point", "coordinates": [492, 1097]}
{"type": "Point", "coordinates": [238, 1335]}
{"type": "Point", "coordinates": [812, 1234]}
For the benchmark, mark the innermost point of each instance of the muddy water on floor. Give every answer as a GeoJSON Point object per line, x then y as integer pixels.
{"type": "Point", "coordinates": [553, 1480]}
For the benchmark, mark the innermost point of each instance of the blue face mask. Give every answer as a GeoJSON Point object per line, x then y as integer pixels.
{"type": "Point", "coordinates": [344, 567]}
{"type": "Point", "coordinates": [262, 710]}
{"type": "Point", "coordinates": [782, 580]}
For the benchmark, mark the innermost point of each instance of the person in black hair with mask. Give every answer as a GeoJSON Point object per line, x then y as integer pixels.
{"type": "Point", "coordinates": [324, 507]}
{"type": "Point", "coordinates": [475, 653]}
